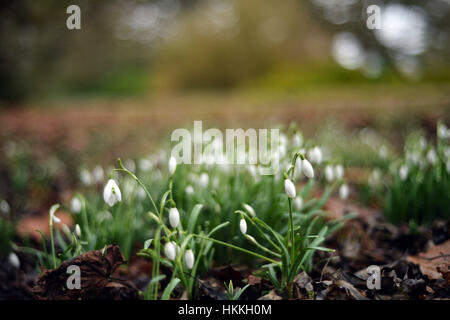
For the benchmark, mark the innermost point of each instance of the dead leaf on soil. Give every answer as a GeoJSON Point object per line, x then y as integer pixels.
{"type": "Point", "coordinates": [435, 263]}
{"type": "Point", "coordinates": [96, 278]}
{"type": "Point", "coordinates": [270, 296]}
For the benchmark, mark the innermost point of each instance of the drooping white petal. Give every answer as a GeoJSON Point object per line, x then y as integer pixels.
{"type": "Point", "coordinates": [189, 259]}
{"type": "Point", "coordinates": [403, 172]}
{"type": "Point", "coordinates": [75, 205]}
{"type": "Point", "coordinates": [329, 173]}
{"type": "Point", "coordinates": [170, 250]}
{"type": "Point", "coordinates": [243, 226]}
{"type": "Point", "coordinates": [112, 193]}
{"type": "Point", "coordinates": [249, 209]}
{"type": "Point", "coordinates": [14, 260]}
{"type": "Point", "coordinates": [307, 169]}
{"type": "Point", "coordinates": [78, 230]}
{"type": "Point", "coordinates": [204, 180]}
{"type": "Point", "coordinates": [339, 172]}
{"type": "Point", "coordinates": [298, 203]}
{"type": "Point", "coordinates": [172, 165]}
{"type": "Point", "coordinates": [174, 217]}
{"type": "Point", "coordinates": [344, 191]}
{"type": "Point", "coordinates": [289, 188]}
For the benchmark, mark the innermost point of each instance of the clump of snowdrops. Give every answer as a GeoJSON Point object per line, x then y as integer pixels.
{"type": "Point", "coordinates": [416, 187]}
{"type": "Point", "coordinates": [211, 212]}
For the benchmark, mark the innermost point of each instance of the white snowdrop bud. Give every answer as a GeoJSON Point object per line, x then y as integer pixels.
{"type": "Point", "coordinates": [56, 219]}
{"type": "Point", "coordinates": [298, 203]}
{"type": "Point", "coordinates": [111, 193]}
{"type": "Point", "coordinates": [403, 172]}
{"type": "Point", "coordinates": [297, 140]}
{"type": "Point", "coordinates": [289, 188]}
{"type": "Point", "coordinates": [172, 165]}
{"type": "Point", "coordinates": [78, 230]}
{"type": "Point", "coordinates": [141, 194]}
{"type": "Point", "coordinates": [170, 250]}
{"type": "Point", "coordinates": [189, 259]}
{"type": "Point", "coordinates": [442, 131]}
{"type": "Point", "coordinates": [4, 207]}
{"type": "Point", "coordinates": [75, 205]}
{"type": "Point", "coordinates": [315, 155]}
{"type": "Point", "coordinates": [344, 191]}
{"type": "Point", "coordinates": [204, 180]}
{"type": "Point", "coordinates": [98, 174]}
{"type": "Point", "coordinates": [383, 152]}
{"type": "Point", "coordinates": [145, 164]}
{"type": "Point", "coordinates": [85, 177]}
{"type": "Point", "coordinates": [189, 190]}
{"type": "Point", "coordinates": [431, 156]}
{"type": "Point", "coordinates": [14, 260]}
{"type": "Point", "coordinates": [329, 173]}
{"type": "Point", "coordinates": [174, 217]}
{"type": "Point", "coordinates": [249, 209]}
{"type": "Point", "coordinates": [243, 226]}
{"type": "Point", "coordinates": [339, 172]}
{"type": "Point", "coordinates": [307, 169]}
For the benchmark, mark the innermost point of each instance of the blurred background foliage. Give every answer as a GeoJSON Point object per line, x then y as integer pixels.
{"type": "Point", "coordinates": [153, 46]}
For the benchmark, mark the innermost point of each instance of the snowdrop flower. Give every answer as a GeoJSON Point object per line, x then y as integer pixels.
{"type": "Point", "coordinates": [98, 174]}
{"type": "Point", "coordinates": [174, 217]}
{"type": "Point", "coordinates": [85, 177]}
{"type": "Point", "coordinates": [307, 169]}
{"type": "Point", "coordinates": [403, 172]}
{"type": "Point", "coordinates": [383, 152]}
{"type": "Point", "coordinates": [56, 219]}
{"type": "Point", "coordinates": [375, 177]}
{"type": "Point", "coordinates": [339, 172]}
{"type": "Point", "coordinates": [315, 155]}
{"type": "Point", "coordinates": [141, 193]}
{"type": "Point", "coordinates": [297, 140]}
{"type": "Point", "coordinates": [344, 191]}
{"type": "Point", "coordinates": [75, 205]}
{"type": "Point", "coordinates": [111, 193]}
{"type": "Point", "coordinates": [249, 209]}
{"type": "Point", "coordinates": [431, 156]}
{"type": "Point", "coordinates": [145, 165]}
{"type": "Point", "coordinates": [189, 259]}
{"type": "Point", "coordinates": [170, 250]}
{"type": "Point", "coordinates": [243, 226]}
{"type": "Point", "coordinates": [204, 180]}
{"type": "Point", "coordinates": [189, 190]}
{"type": "Point", "coordinates": [413, 158]}
{"type": "Point", "coordinates": [442, 131]}
{"type": "Point", "coordinates": [298, 203]}
{"type": "Point", "coordinates": [329, 173]}
{"type": "Point", "coordinates": [14, 260]}
{"type": "Point", "coordinates": [78, 230]}
{"type": "Point", "coordinates": [4, 207]}
{"type": "Point", "coordinates": [289, 188]}
{"type": "Point", "coordinates": [172, 165]}
{"type": "Point", "coordinates": [448, 166]}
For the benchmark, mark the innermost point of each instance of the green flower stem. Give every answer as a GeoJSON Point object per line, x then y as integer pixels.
{"type": "Point", "coordinates": [52, 243]}
{"type": "Point", "coordinates": [291, 222]}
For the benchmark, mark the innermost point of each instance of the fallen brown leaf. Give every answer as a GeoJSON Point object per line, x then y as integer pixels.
{"type": "Point", "coordinates": [435, 262]}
